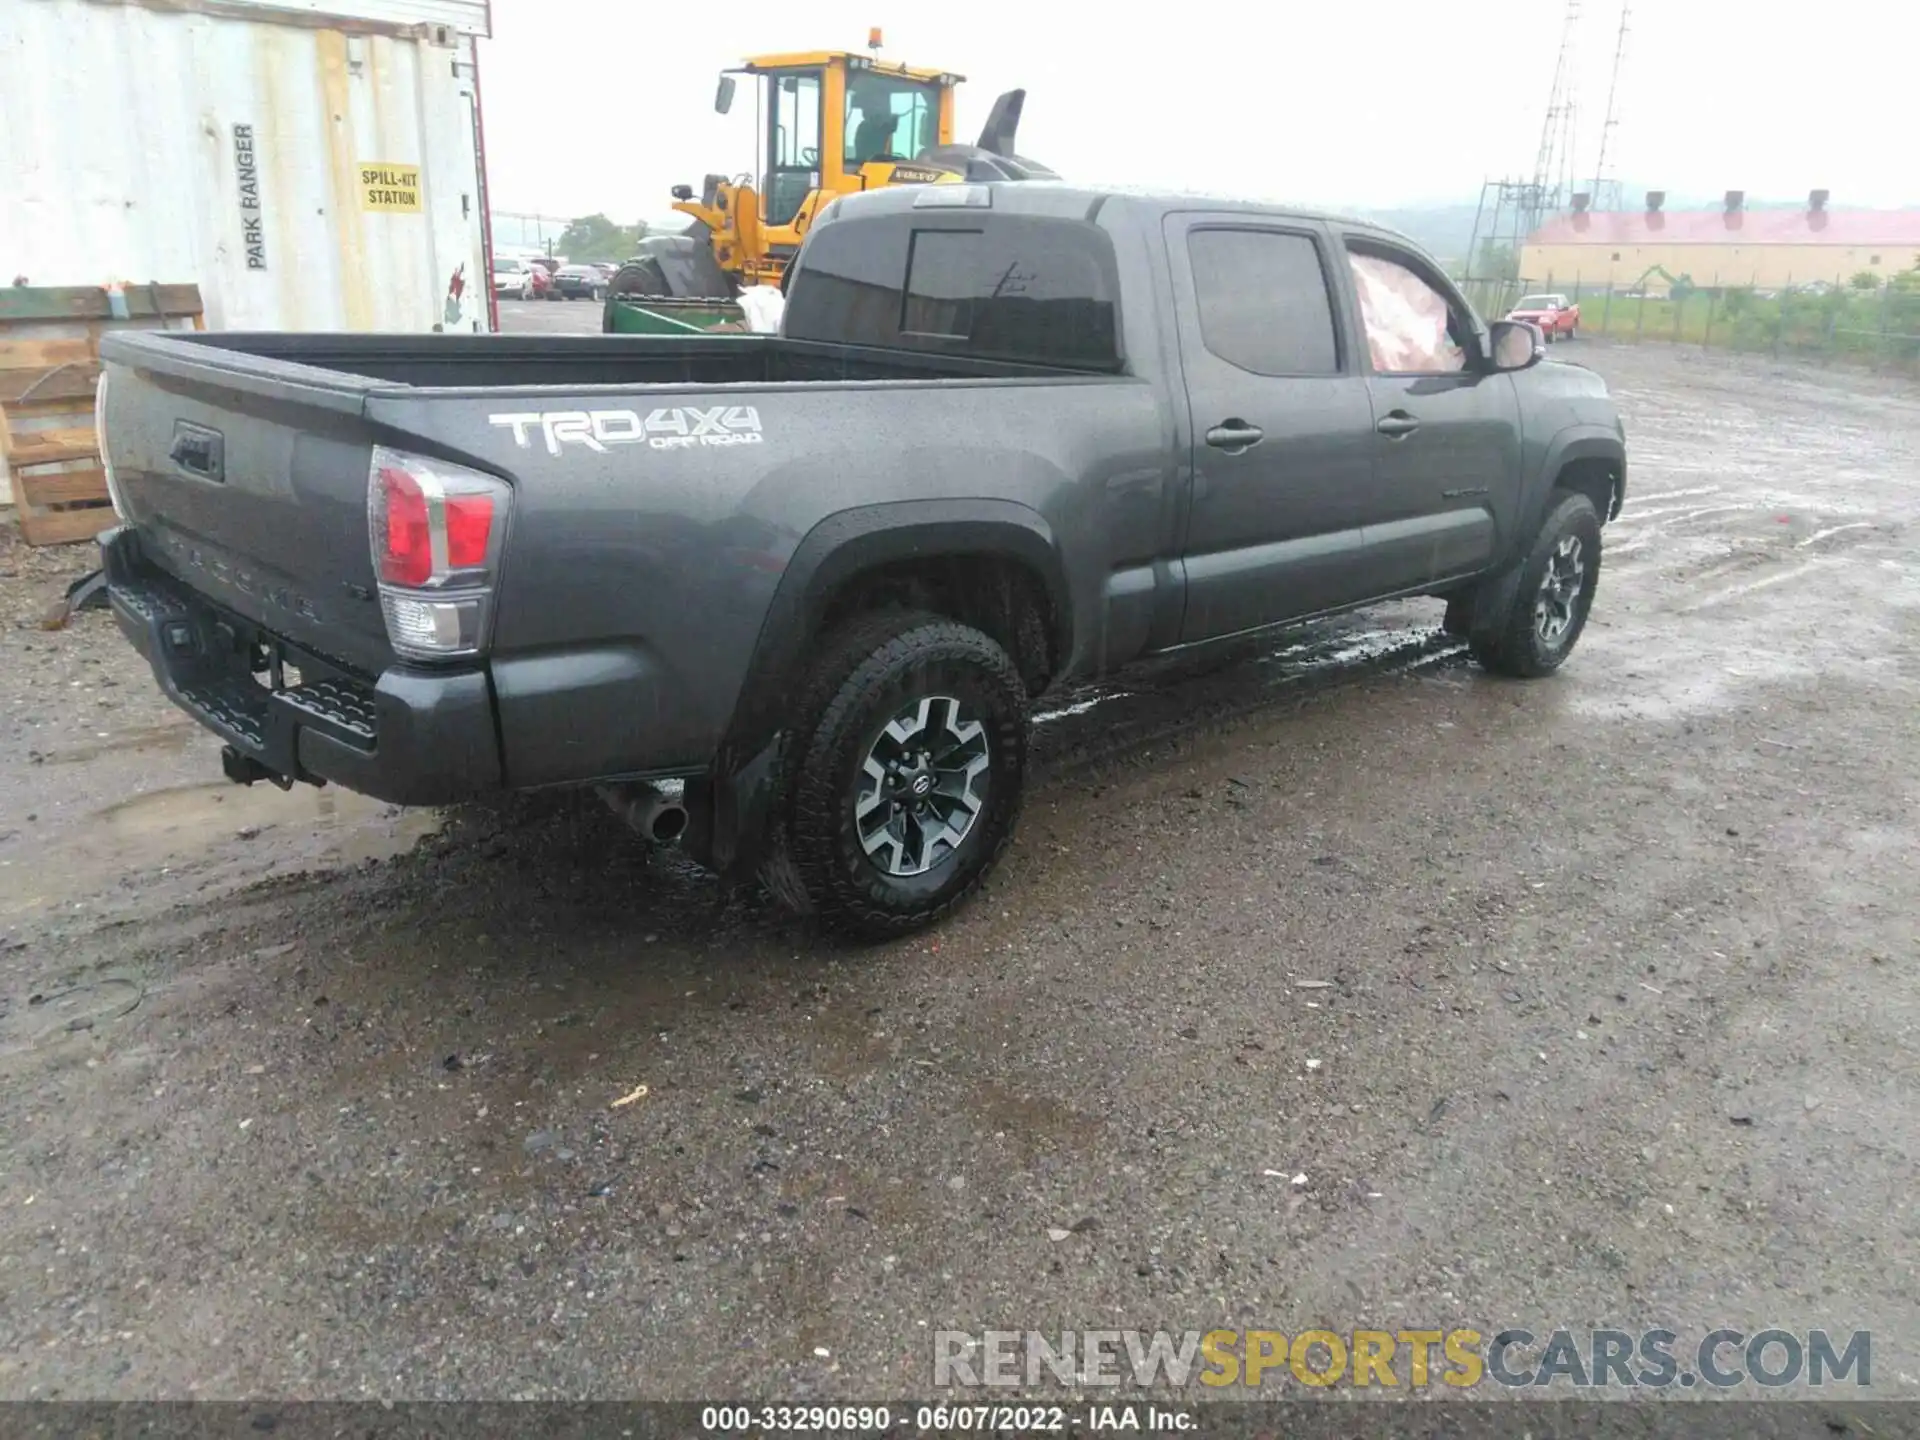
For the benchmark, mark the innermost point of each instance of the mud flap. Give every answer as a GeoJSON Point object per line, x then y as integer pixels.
{"type": "Point", "coordinates": [731, 828]}
{"type": "Point", "coordinates": [1491, 602]}
{"type": "Point", "coordinates": [89, 592]}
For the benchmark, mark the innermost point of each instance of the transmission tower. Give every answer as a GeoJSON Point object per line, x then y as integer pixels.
{"type": "Point", "coordinates": [1606, 189]}
{"type": "Point", "coordinates": [1553, 165]}
{"type": "Point", "coordinates": [1511, 210]}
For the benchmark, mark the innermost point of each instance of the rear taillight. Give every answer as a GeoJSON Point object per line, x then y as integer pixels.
{"type": "Point", "coordinates": [436, 531]}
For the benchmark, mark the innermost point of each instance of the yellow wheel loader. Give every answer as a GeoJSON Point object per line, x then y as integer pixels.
{"type": "Point", "coordinates": [830, 123]}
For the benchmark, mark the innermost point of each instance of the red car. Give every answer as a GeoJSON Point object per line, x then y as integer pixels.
{"type": "Point", "coordinates": [1557, 317]}
{"type": "Point", "coordinates": [545, 286]}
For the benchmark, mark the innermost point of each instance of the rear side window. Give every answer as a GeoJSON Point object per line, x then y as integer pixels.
{"type": "Point", "coordinates": [1021, 288]}
{"type": "Point", "coordinates": [1263, 301]}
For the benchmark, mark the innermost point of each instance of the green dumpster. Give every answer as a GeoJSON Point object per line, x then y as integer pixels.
{"type": "Point", "coordinates": [662, 315]}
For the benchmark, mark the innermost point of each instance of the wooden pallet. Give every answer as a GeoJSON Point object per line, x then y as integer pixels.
{"type": "Point", "coordinates": [49, 370]}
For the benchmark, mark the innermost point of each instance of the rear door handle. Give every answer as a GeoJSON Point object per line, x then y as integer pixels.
{"type": "Point", "coordinates": [1234, 435]}
{"type": "Point", "coordinates": [1397, 424]}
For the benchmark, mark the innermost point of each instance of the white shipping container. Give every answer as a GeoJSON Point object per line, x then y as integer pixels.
{"type": "Point", "coordinates": [311, 166]}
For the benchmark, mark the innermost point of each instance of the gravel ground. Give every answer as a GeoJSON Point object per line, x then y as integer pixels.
{"type": "Point", "coordinates": [1588, 1002]}
{"type": "Point", "coordinates": [553, 317]}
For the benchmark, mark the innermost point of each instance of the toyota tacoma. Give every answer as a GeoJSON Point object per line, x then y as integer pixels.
{"type": "Point", "coordinates": [789, 599]}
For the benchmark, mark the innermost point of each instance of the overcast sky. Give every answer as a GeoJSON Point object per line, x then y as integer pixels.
{"type": "Point", "coordinates": [602, 105]}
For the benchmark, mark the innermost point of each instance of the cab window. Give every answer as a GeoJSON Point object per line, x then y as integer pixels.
{"type": "Point", "coordinates": [1412, 328]}
{"type": "Point", "coordinates": [1263, 302]}
{"type": "Point", "coordinates": [1018, 288]}
{"type": "Point", "coordinates": [889, 118]}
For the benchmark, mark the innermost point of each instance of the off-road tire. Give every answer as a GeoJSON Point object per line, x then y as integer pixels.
{"type": "Point", "coordinates": [1513, 644]}
{"type": "Point", "coordinates": [642, 277]}
{"type": "Point", "coordinates": [864, 674]}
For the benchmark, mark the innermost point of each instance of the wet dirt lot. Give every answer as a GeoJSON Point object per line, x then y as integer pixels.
{"type": "Point", "coordinates": [1337, 985]}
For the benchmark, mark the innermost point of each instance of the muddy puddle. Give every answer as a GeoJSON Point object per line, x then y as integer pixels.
{"type": "Point", "coordinates": [212, 826]}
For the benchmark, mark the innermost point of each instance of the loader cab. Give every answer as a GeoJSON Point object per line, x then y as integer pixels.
{"type": "Point", "coordinates": [827, 118]}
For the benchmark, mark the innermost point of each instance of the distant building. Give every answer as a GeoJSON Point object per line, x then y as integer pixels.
{"type": "Point", "coordinates": [1769, 249]}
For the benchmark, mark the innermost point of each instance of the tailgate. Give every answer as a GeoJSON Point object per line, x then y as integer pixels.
{"type": "Point", "coordinates": [247, 480]}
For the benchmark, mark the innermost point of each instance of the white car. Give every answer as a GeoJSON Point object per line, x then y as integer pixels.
{"type": "Point", "coordinates": [513, 278]}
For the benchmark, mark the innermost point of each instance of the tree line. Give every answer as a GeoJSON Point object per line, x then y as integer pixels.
{"type": "Point", "coordinates": [595, 237]}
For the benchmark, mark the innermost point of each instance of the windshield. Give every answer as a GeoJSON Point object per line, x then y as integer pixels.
{"type": "Point", "coordinates": [890, 118]}
{"type": "Point", "coordinates": [1538, 302]}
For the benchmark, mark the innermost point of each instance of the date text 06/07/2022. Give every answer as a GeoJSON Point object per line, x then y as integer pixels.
{"type": "Point", "coordinates": [943, 1419]}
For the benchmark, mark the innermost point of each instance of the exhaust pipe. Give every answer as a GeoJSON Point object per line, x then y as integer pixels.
{"type": "Point", "coordinates": [659, 815]}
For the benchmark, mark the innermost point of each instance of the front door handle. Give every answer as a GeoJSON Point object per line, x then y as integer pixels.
{"type": "Point", "coordinates": [1397, 425]}
{"type": "Point", "coordinates": [1234, 435]}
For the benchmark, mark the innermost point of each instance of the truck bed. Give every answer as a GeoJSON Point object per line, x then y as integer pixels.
{"type": "Point", "coordinates": [573, 361]}
{"type": "Point", "coordinates": [651, 480]}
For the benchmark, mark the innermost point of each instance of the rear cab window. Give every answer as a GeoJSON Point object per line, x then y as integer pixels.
{"type": "Point", "coordinates": [1024, 288]}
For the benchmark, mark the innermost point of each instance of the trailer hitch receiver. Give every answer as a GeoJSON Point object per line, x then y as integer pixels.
{"type": "Point", "coordinates": [244, 769]}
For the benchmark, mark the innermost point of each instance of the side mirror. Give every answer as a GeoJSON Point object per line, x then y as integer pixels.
{"type": "Point", "coordinates": [1515, 345]}
{"type": "Point", "coordinates": [723, 97]}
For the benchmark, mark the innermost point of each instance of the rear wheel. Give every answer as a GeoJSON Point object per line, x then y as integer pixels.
{"type": "Point", "coordinates": [1553, 597]}
{"type": "Point", "coordinates": [906, 768]}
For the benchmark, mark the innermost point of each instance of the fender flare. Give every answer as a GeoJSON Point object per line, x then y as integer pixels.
{"type": "Point", "coordinates": [849, 542]}
{"type": "Point", "coordinates": [1586, 441]}
{"type": "Point", "coordinates": [730, 808]}
{"type": "Point", "coordinates": [1494, 595]}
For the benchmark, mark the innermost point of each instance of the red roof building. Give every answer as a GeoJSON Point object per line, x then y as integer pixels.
{"type": "Point", "coordinates": [1730, 246]}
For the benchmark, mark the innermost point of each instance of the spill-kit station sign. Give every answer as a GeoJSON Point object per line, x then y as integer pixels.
{"type": "Point", "coordinates": [389, 187]}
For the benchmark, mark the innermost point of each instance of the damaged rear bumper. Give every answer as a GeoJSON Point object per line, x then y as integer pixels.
{"type": "Point", "coordinates": [406, 736]}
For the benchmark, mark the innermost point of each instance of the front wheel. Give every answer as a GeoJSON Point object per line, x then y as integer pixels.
{"type": "Point", "coordinates": [1553, 596]}
{"type": "Point", "coordinates": [907, 766]}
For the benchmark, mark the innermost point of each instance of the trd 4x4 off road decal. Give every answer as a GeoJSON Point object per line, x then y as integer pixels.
{"type": "Point", "coordinates": [677, 428]}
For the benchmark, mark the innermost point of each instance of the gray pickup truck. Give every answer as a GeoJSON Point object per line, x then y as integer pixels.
{"type": "Point", "coordinates": [1010, 436]}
